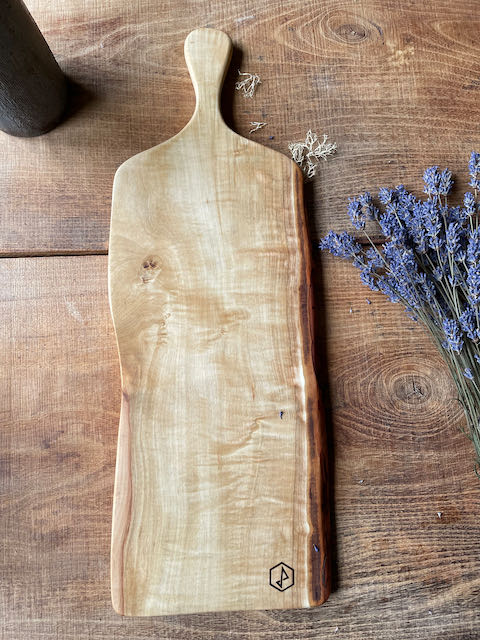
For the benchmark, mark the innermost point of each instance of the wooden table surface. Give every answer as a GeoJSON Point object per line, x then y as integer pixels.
{"type": "Point", "coordinates": [396, 85]}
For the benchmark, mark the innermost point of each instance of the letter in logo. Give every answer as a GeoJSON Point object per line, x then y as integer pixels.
{"type": "Point", "coordinates": [281, 576]}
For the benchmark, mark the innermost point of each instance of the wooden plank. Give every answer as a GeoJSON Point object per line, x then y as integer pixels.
{"type": "Point", "coordinates": [221, 452]}
{"type": "Point", "coordinates": [402, 572]}
{"type": "Point", "coordinates": [395, 84]}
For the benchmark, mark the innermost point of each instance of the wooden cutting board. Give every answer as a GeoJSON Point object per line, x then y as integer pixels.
{"type": "Point", "coordinates": [220, 500]}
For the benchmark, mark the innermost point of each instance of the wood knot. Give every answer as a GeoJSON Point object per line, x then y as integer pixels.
{"type": "Point", "coordinates": [351, 33]}
{"type": "Point", "coordinates": [412, 389]}
{"type": "Point", "coordinates": [149, 269]}
{"type": "Point", "coordinates": [350, 28]}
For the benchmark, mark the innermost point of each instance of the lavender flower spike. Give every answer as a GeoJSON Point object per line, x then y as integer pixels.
{"type": "Point", "coordinates": [467, 323]}
{"type": "Point", "coordinates": [469, 203]}
{"type": "Point", "coordinates": [452, 237]}
{"type": "Point", "coordinates": [453, 336]}
{"type": "Point", "coordinates": [473, 247]}
{"type": "Point", "coordinates": [474, 170]}
{"type": "Point", "coordinates": [431, 178]}
{"type": "Point", "coordinates": [468, 373]}
{"type": "Point", "coordinates": [361, 209]}
{"type": "Point", "coordinates": [473, 285]}
{"type": "Point", "coordinates": [341, 245]}
{"type": "Point", "coordinates": [446, 182]}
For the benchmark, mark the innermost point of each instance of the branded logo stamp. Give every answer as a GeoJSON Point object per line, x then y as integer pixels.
{"type": "Point", "coordinates": [281, 576]}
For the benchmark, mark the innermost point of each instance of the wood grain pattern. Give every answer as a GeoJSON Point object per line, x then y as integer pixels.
{"type": "Point", "coordinates": [398, 459]}
{"type": "Point", "coordinates": [220, 459]}
{"type": "Point", "coordinates": [394, 83]}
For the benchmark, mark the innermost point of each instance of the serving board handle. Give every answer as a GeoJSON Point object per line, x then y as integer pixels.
{"type": "Point", "coordinates": [207, 53]}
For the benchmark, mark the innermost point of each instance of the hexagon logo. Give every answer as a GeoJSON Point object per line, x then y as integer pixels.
{"type": "Point", "coordinates": [281, 576]}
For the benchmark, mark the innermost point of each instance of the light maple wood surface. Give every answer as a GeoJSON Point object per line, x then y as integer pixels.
{"type": "Point", "coordinates": [221, 455]}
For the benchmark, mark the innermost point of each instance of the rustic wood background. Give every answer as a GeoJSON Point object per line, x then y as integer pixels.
{"type": "Point", "coordinates": [396, 84]}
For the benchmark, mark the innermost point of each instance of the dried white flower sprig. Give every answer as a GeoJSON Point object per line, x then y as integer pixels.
{"type": "Point", "coordinates": [248, 85]}
{"type": "Point", "coordinates": [256, 126]}
{"type": "Point", "coordinates": [308, 154]}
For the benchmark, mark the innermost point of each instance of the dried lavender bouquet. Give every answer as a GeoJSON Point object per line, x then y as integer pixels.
{"type": "Point", "coordinates": [430, 263]}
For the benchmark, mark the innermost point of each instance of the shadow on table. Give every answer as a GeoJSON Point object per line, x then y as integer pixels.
{"type": "Point", "coordinates": [322, 373]}
{"type": "Point", "coordinates": [78, 97]}
{"type": "Point", "coordinates": [228, 91]}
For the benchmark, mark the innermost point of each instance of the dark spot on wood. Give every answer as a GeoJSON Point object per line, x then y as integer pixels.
{"type": "Point", "coordinates": [67, 455]}
{"type": "Point", "coordinates": [51, 539]}
{"type": "Point", "coordinates": [416, 390]}
{"type": "Point", "coordinates": [437, 584]}
{"type": "Point", "coordinates": [412, 390]}
{"type": "Point", "coordinates": [51, 438]}
{"type": "Point", "coordinates": [150, 269]}
{"type": "Point", "coordinates": [472, 85]}
{"type": "Point", "coordinates": [151, 263]}
{"type": "Point", "coordinates": [351, 33]}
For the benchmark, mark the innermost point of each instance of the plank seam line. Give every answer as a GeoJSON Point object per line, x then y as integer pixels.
{"type": "Point", "coordinates": [52, 254]}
